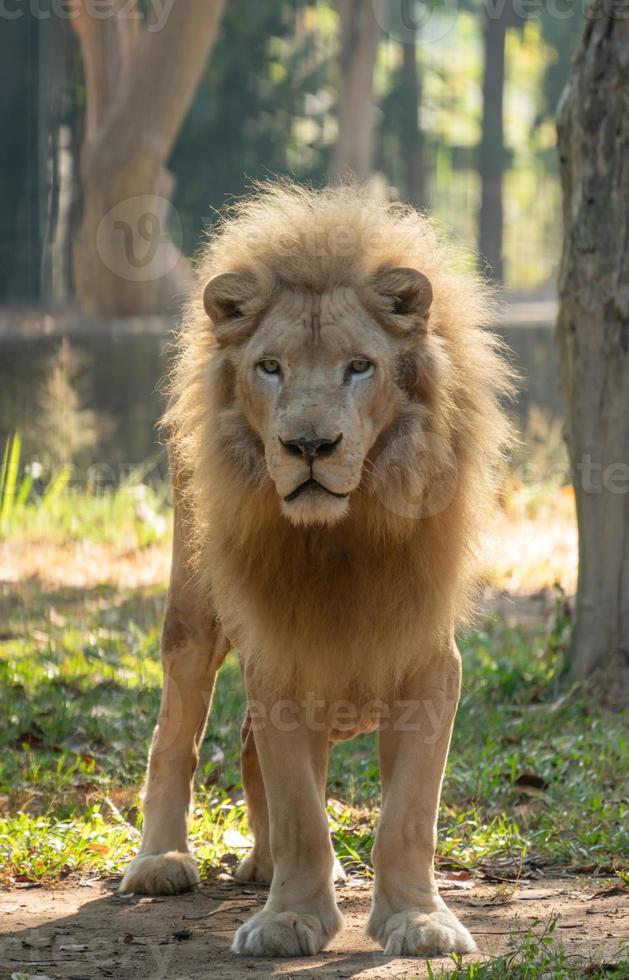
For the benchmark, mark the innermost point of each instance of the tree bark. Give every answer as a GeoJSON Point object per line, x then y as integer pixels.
{"type": "Point", "coordinates": [593, 337]}
{"type": "Point", "coordinates": [140, 81]}
{"type": "Point", "coordinates": [497, 19]}
{"type": "Point", "coordinates": [412, 136]}
{"type": "Point", "coordinates": [361, 31]}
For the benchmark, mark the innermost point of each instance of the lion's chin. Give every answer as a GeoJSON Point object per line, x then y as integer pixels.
{"type": "Point", "coordinates": [315, 507]}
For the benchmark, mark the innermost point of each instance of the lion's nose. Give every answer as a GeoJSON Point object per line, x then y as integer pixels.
{"type": "Point", "coordinates": [311, 449]}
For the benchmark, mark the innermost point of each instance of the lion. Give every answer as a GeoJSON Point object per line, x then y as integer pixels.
{"type": "Point", "coordinates": [335, 431]}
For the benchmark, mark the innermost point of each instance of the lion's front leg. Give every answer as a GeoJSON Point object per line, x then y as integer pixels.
{"type": "Point", "coordinates": [257, 866]}
{"type": "Point", "coordinates": [164, 865]}
{"type": "Point", "coordinates": [300, 915]}
{"type": "Point", "coordinates": [193, 647]}
{"type": "Point", "coordinates": [408, 916]}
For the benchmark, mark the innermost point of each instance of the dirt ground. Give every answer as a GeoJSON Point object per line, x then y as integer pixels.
{"type": "Point", "coordinates": [85, 930]}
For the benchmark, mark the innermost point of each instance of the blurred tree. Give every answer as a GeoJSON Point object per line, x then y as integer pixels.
{"type": "Point", "coordinates": [140, 77]}
{"type": "Point", "coordinates": [411, 135]}
{"type": "Point", "coordinates": [497, 19]}
{"type": "Point", "coordinates": [360, 26]}
{"type": "Point", "coordinates": [263, 107]}
{"type": "Point", "coordinates": [593, 333]}
{"type": "Point", "coordinates": [561, 29]}
{"type": "Point", "coordinates": [20, 167]}
{"type": "Point", "coordinates": [401, 140]}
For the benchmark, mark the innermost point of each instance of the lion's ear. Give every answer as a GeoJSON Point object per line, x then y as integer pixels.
{"type": "Point", "coordinates": [231, 299]}
{"type": "Point", "coordinates": [403, 297]}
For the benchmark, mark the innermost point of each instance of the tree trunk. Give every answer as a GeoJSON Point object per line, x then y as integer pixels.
{"type": "Point", "coordinates": [492, 151]}
{"type": "Point", "coordinates": [140, 80]}
{"type": "Point", "coordinates": [593, 337]}
{"type": "Point", "coordinates": [361, 30]}
{"type": "Point", "coordinates": [412, 136]}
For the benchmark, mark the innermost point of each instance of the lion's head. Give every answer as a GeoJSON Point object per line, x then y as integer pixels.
{"type": "Point", "coordinates": [319, 376]}
{"type": "Point", "coordinates": [335, 371]}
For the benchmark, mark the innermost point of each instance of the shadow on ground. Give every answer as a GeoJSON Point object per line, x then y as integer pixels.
{"type": "Point", "coordinates": [86, 931]}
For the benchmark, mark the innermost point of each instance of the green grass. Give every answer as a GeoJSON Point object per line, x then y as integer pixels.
{"type": "Point", "coordinates": [63, 509]}
{"type": "Point", "coordinates": [532, 957]}
{"type": "Point", "coordinates": [79, 692]}
{"type": "Point", "coordinates": [131, 516]}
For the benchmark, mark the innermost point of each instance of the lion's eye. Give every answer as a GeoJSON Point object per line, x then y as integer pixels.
{"type": "Point", "coordinates": [360, 365]}
{"type": "Point", "coordinates": [269, 366]}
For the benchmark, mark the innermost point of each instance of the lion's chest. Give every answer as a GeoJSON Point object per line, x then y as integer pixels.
{"type": "Point", "coordinates": [340, 622]}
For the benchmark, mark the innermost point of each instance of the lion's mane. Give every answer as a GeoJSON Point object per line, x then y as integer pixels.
{"type": "Point", "coordinates": [342, 611]}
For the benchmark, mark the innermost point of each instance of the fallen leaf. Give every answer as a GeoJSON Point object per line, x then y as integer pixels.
{"type": "Point", "coordinates": [33, 739]}
{"type": "Point", "coordinates": [530, 780]}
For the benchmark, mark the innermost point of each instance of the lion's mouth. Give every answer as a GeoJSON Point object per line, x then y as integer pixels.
{"type": "Point", "coordinates": [311, 486]}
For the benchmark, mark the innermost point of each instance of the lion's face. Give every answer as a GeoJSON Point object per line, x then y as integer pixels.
{"type": "Point", "coordinates": [317, 380]}
{"type": "Point", "coordinates": [316, 383]}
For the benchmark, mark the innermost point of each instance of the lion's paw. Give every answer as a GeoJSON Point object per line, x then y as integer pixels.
{"type": "Point", "coordinates": [417, 933]}
{"type": "Point", "coordinates": [282, 934]}
{"type": "Point", "coordinates": [255, 868]}
{"type": "Point", "coordinates": [260, 870]}
{"type": "Point", "coordinates": [160, 874]}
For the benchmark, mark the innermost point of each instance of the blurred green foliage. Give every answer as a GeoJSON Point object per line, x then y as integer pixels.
{"type": "Point", "coordinates": [267, 101]}
{"type": "Point", "coordinates": [267, 104]}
